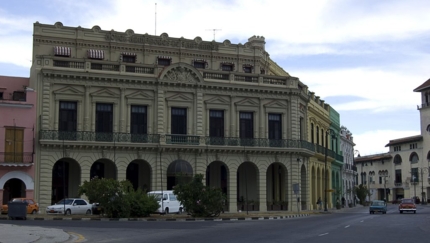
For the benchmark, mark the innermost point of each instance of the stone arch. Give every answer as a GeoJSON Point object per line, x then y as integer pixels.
{"type": "Point", "coordinates": [181, 72]}
{"type": "Point", "coordinates": [178, 170]}
{"type": "Point", "coordinates": [64, 179]}
{"type": "Point", "coordinates": [247, 184]}
{"type": "Point", "coordinates": [276, 184]}
{"type": "Point", "coordinates": [139, 173]}
{"type": "Point", "coordinates": [103, 168]}
{"type": "Point", "coordinates": [24, 177]}
{"type": "Point", "coordinates": [217, 174]}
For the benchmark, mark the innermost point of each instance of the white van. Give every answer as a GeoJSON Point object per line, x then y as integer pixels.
{"type": "Point", "coordinates": [169, 204]}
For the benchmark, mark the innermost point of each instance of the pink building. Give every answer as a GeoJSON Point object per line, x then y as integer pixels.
{"type": "Point", "coordinates": [17, 123]}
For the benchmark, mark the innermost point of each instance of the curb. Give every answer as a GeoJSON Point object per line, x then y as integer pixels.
{"type": "Point", "coordinates": [167, 219]}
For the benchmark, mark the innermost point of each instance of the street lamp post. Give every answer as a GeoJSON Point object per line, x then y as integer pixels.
{"type": "Point", "coordinates": [332, 133]}
{"type": "Point", "coordinates": [384, 174]}
{"type": "Point", "coordinates": [415, 188]}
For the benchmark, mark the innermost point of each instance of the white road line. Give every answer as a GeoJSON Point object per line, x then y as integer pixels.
{"type": "Point", "coordinates": [323, 234]}
{"type": "Point", "coordinates": [347, 226]}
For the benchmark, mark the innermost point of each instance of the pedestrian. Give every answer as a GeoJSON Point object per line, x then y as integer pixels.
{"type": "Point", "coordinates": [319, 202]}
{"type": "Point", "coordinates": [343, 202]}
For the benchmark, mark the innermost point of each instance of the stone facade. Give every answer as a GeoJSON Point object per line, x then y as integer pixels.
{"type": "Point", "coordinates": [149, 108]}
{"type": "Point", "coordinates": [349, 169]}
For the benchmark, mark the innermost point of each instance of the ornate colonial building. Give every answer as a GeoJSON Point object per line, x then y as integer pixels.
{"type": "Point", "coordinates": [150, 108]}
{"type": "Point", "coordinates": [403, 172]}
{"type": "Point", "coordinates": [349, 170]}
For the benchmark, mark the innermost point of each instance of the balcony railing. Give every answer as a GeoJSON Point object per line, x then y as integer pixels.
{"type": "Point", "coordinates": [219, 76]}
{"type": "Point", "coordinates": [11, 157]}
{"type": "Point", "coordinates": [69, 64]}
{"type": "Point", "coordinates": [98, 136]}
{"type": "Point", "coordinates": [104, 67]}
{"type": "Point", "coordinates": [136, 69]}
{"type": "Point", "coordinates": [259, 142]}
{"type": "Point", "coordinates": [182, 139]}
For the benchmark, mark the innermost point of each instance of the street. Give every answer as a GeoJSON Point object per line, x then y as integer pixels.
{"type": "Point", "coordinates": [346, 225]}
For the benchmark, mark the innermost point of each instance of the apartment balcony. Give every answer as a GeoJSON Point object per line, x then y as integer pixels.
{"type": "Point", "coordinates": [177, 139]}
{"type": "Point", "coordinates": [12, 158]}
{"type": "Point", "coordinates": [398, 184]}
{"type": "Point", "coordinates": [98, 136]}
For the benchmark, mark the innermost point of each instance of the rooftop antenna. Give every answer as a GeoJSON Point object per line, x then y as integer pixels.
{"type": "Point", "coordinates": [214, 30]}
{"type": "Point", "coordinates": [155, 18]}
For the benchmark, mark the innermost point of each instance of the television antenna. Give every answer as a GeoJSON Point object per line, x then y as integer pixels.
{"type": "Point", "coordinates": [214, 30]}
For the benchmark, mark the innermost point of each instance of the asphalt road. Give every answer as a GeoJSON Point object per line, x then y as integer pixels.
{"type": "Point", "coordinates": [351, 225]}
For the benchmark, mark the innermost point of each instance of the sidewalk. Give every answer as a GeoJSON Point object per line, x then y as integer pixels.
{"type": "Point", "coordinates": [22, 234]}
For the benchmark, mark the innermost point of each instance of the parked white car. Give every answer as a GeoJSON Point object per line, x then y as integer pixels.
{"type": "Point", "coordinates": [70, 206]}
{"type": "Point", "coordinates": [169, 204]}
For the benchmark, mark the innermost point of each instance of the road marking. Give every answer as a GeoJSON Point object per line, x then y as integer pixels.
{"type": "Point", "coordinates": [80, 238]}
{"type": "Point", "coordinates": [347, 226]}
{"type": "Point", "coordinates": [323, 234]}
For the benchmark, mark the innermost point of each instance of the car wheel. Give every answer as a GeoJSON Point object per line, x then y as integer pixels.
{"type": "Point", "coordinates": [34, 211]}
{"type": "Point", "coordinates": [415, 211]}
{"type": "Point", "coordinates": [88, 211]}
{"type": "Point", "coordinates": [68, 212]}
{"type": "Point", "coordinates": [401, 211]}
{"type": "Point", "coordinates": [166, 211]}
{"type": "Point", "coordinates": [180, 210]}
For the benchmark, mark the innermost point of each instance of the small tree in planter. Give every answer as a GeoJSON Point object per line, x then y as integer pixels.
{"type": "Point", "coordinates": [200, 200]}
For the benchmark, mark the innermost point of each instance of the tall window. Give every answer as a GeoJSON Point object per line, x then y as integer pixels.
{"type": "Point", "coordinates": [312, 133]}
{"type": "Point", "coordinates": [138, 123]}
{"type": "Point", "coordinates": [199, 64]}
{"type": "Point", "coordinates": [301, 128]}
{"type": "Point", "coordinates": [322, 137]}
{"type": "Point", "coordinates": [318, 135]}
{"type": "Point", "coordinates": [129, 58]}
{"type": "Point", "coordinates": [246, 128]}
{"type": "Point", "coordinates": [275, 126]}
{"type": "Point", "coordinates": [216, 123]}
{"type": "Point", "coordinates": [247, 69]}
{"type": "Point", "coordinates": [398, 178]}
{"type": "Point", "coordinates": [414, 175]}
{"type": "Point", "coordinates": [67, 119]}
{"type": "Point", "coordinates": [179, 121]}
{"type": "Point", "coordinates": [164, 61]}
{"type": "Point", "coordinates": [104, 122]}
{"type": "Point", "coordinates": [14, 144]}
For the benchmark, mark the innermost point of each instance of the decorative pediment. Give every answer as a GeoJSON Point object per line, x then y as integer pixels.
{"type": "Point", "coordinates": [179, 97]}
{"type": "Point", "coordinates": [247, 102]}
{"type": "Point", "coordinates": [217, 100]}
{"type": "Point", "coordinates": [140, 95]}
{"type": "Point", "coordinates": [276, 104]}
{"type": "Point", "coordinates": [68, 90]}
{"type": "Point", "coordinates": [181, 73]}
{"type": "Point", "coordinates": [105, 93]}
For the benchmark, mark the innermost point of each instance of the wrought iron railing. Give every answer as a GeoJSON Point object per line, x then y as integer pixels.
{"type": "Point", "coordinates": [98, 136]}
{"type": "Point", "coordinates": [11, 157]}
{"type": "Point", "coordinates": [69, 64]}
{"type": "Point", "coordinates": [220, 76]}
{"type": "Point", "coordinates": [182, 139]}
{"type": "Point", "coordinates": [259, 142]}
{"type": "Point", "coordinates": [104, 67]}
{"type": "Point", "coordinates": [339, 157]}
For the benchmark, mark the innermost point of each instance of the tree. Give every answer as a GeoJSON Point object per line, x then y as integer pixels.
{"type": "Point", "coordinates": [118, 198]}
{"type": "Point", "coordinates": [362, 192]}
{"type": "Point", "coordinates": [200, 200]}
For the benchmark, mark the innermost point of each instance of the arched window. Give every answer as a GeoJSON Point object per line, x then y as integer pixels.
{"type": "Point", "coordinates": [413, 158]}
{"type": "Point", "coordinates": [397, 159]}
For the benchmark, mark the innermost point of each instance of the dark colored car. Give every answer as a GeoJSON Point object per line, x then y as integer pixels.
{"type": "Point", "coordinates": [97, 209]}
{"type": "Point", "coordinates": [378, 206]}
{"type": "Point", "coordinates": [407, 205]}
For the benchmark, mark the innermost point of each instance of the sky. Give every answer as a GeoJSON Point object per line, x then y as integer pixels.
{"type": "Point", "coordinates": [363, 57]}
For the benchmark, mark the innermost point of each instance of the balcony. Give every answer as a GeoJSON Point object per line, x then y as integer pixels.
{"type": "Point", "coordinates": [182, 139]}
{"type": "Point", "coordinates": [398, 183]}
{"type": "Point", "coordinates": [16, 158]}
{"type": "Point", "coordinates": [98, 136]}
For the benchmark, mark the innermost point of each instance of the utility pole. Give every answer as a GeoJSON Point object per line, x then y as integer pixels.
{"type": "Point", "coordinates": [214, 30]}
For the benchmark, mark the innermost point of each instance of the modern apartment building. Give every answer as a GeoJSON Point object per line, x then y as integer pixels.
{"type": "Point", "coordinates": [152, 108]}
{"type": "Point", "coordinates": [17, 129]}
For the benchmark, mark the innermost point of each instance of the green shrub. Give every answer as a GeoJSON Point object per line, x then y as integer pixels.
{"type": "Point", "coordinates": [199, 200]}
{"type": "Point", "coordinates": [118, 199]}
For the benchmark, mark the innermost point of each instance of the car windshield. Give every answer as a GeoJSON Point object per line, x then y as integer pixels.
{"type": "Point", "coordinates": [16, 200]}
{"type": "Point", "coordinates": [407, 201]}
{"type": "Point", "coordinates": [67, 202]}
{"type": "Point", "coordinates": [378, 204]}
{"type": "Point", "coordinates": [157, 196]}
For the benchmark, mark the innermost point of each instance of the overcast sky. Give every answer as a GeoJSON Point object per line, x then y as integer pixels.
{"type": "Point", "coordinates": [363, 57]}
